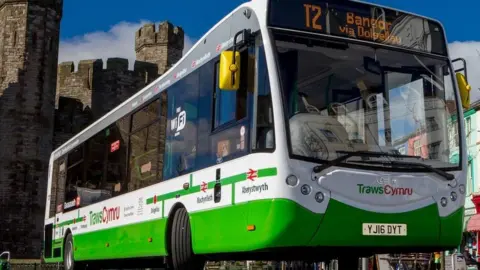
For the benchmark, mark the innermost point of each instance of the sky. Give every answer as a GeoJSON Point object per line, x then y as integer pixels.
{"type": "Point", "coordinates": [102, 29]}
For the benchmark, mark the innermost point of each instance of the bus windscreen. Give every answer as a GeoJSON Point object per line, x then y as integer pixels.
{"type": "Point", "coordinates": [359, 21]}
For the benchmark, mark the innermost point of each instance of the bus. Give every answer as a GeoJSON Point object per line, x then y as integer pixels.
{"type": "Point", "coordinates": [292, 130]}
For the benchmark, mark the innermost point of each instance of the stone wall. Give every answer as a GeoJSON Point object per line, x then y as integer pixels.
{"type": "Point", "coordinates": [28, 70]}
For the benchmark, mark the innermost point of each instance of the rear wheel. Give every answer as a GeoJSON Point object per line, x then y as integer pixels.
{"type": "Point", "coordinates": [182, 256]}
{"type": "Point", "coordinates": [68, 260]}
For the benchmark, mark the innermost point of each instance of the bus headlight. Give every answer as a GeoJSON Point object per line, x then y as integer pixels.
{"type": "Point", "coordinates": [306, 189]}
{"type": "Point", "coordinates": [443, 201]}
{"type": "Point", "coordinates": [292, 180]}
{"type": "Point", "coordinates": [461, 188]}
{"type": "Point", "coordinates": [319, 197]}
{"type": "Point", "coordinates": [453, 196]}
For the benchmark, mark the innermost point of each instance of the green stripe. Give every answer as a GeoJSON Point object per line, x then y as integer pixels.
{"type": "Point", "coordinates": [267, 172]}
{"type": "Point", "coordinates": [69, 222]}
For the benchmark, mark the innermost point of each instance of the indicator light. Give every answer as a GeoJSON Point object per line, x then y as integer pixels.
{"type": "Point", "coordinates": [319, 197]}
{"type": "Point", "coordinates": [306, 189]}
{"type": "Point", "coordinates": [453, 196]}
{"type": "Point", "coordinates": [443, 201]}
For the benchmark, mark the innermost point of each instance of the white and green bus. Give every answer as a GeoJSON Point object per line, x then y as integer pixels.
{"type": "Point", "coordinates": [292, 130]}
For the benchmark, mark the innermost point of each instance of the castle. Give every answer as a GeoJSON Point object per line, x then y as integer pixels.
{"type": "Point", "coordinates": [43, 104]}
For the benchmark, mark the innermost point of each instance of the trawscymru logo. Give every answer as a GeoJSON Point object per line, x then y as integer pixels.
{"type": "Point", "coordinates": [384, 190]}
{"type": "Point", "coordinates": [105, 216]}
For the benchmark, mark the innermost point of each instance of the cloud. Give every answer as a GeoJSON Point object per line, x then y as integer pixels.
{"type": "Point", "coordinates": [118, 41]}
{"type": "Point", "coordinates": [470, 51]}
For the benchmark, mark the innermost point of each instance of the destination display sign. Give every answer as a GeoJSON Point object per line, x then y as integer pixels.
{"type": "Point", "coordinates": [359, 21]}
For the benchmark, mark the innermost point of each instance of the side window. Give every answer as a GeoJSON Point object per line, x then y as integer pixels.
{"type": "Point", "coordinates": [231, 128]}
{"type": "Point", "coordinates": [265, 136]}
{"type": "Point", "coordinates": [72, 170]}
{"type": "Point", "coordinates": [144, 144]}
{"type": "Point", "coordinates": [230, 106]}
{"type": "Point", "coordinates": [117, 138]}
{"type": "Point", "coordinates": [59, 184]}
{"type": "Point", "coordinates": [96, 157]}
{"type": "Point", "coordinates": [181, 144]}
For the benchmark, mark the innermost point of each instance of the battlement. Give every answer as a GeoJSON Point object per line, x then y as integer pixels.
{"type": "Point", "coordinates": [56, 5]}
{"type": "Point", "coordinates": [101, 88]}
{"type": "Point", "coordinates": [167, 34]}
{"type": "Point", "coordinates": [93, 67]}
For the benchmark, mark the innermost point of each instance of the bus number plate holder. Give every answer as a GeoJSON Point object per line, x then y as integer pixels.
{"type": "Point", "coordinates": [383, 229]}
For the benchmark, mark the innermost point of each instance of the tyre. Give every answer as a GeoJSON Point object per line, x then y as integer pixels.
{"type": "Point", "coordinates": [68, 260]}
{"type": "Point", "coordinates": [182, 256]}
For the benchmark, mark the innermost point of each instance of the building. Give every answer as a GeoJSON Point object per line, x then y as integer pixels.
{"type": "Point", "coordinates": [40, 108]}
{"type": "Point", "coordinates": [29, 39]}
{"type": "Point", "coordinates": [472, 203]}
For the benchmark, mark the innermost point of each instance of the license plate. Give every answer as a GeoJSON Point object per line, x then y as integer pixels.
{"type": "Point", "coordinates": [384, 229]}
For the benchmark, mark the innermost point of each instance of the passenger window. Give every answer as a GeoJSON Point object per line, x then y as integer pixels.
{"type": "Point", "coordinates": [116, 158]}
{"type": "Point", "coordinates": [144, 147]}
{"type": "Point", "coordinates": [96, 149]}
{"type": "Point", "coordinates": [71, 173]}
{"type": "Point", "coordinates": [181, 145]}
{"type": "Point", "coordinates": [144, 157]}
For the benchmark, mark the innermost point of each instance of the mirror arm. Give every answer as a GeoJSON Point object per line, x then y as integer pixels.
{"type": "Point", "coordinates": [246, 35]}
{"type": "Point", "coordinates": [464, 69]}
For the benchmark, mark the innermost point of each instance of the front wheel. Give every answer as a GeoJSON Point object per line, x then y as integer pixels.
{"type": "Point", "coordinates": [182, 256]}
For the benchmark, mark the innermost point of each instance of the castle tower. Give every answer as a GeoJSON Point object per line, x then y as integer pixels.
{"type": "Point", "coordinates": [163, 47]}
{"type": "Point", "coordinates": [29, 39]}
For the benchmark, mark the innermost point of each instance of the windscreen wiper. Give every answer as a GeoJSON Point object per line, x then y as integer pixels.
{"type": "Point", "coordinates": [446, 175]}
{"type": "Point", "coordinates": [349, 154]}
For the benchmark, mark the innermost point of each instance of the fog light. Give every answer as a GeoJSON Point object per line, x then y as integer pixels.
{"type": "Point", "coordinates": [306, 189]}
{"type": "Point", "coordinates": [319, 197]}
{"type": "Point", "coordinates": [443, 201]}
{"type": "Point", "coordinates": [292, 180]}
{"type": "Point", "coordinates": [453, 196]}
{"type": "Point", "coordinates": [461, 188]}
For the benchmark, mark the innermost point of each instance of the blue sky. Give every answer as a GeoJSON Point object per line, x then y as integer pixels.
{"type": "Point", "coordinates": [101, 29]}
{"type": "Point", "coordinates": [196, 17]}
